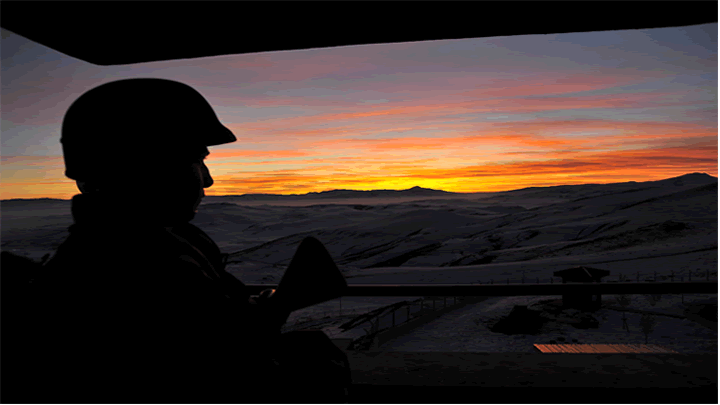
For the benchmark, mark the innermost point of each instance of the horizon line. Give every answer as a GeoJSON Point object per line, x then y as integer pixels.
{"type": "Point", "coordinates": [414, 187]}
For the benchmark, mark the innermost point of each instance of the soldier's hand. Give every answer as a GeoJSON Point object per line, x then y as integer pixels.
{"type": "Point", "coordinates": [269, 311]}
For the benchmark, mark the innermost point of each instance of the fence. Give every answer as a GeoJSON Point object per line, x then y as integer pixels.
{"type": "Point", "coordinates": [412, 310]}
{"type": "Point", "coordinates": [399, 317]}
{"type": "Point", "coordinates": [636, 276]}
{"type": "Point", "coordinates": [432, 293]}
{"type": "Point", "coordinates": [386, 317]}
{"type": "Point", "coordinates": [640, 285]}
{"type": "Point", "coordinates": [400, 313]}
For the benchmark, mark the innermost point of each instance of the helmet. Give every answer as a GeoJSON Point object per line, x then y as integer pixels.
{"type": "Point", "coordinates": [154, 121]}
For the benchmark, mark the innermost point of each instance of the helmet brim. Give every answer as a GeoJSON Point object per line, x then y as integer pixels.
{"type": "Point", "coordinates": [220, 136]}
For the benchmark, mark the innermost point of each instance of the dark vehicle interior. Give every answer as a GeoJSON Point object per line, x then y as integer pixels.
{"type": "Point", "coordinates": [118, 33]}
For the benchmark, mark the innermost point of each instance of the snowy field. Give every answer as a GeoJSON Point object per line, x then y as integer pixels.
{"type": "Point", "coordinates": [464, 330]}
{"type": "Point", "coordinates": [659, 228]}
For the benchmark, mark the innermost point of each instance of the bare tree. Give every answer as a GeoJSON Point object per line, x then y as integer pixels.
{"type": "Point", "coordinates": [624, 301]}
{"type": "Point", "coordinates": [647, 323]}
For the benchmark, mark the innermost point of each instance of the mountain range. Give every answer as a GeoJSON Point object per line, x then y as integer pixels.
{"type": "Point", "coordinates": [427, 192]}
{"type": "Point", "coordinates": [416, 191]}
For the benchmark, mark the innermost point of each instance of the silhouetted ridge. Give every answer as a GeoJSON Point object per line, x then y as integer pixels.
{"type": "Point", "coordinates": [697, 174]}
{"type": "Point", "coordinates": [338, 194]}
{"type": "Point", "coordinates": [685, 179]}
{"type": "Point", "coordinates": [18, 200]}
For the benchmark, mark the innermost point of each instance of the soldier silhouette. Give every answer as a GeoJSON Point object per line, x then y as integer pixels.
{"type": "Point", "coordinates": [135, 305]}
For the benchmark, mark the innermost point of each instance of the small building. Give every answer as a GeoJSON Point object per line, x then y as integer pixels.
{"type": "Point", "coordinates": [582, 274]}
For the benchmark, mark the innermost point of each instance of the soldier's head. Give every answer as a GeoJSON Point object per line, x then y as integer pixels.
{"type": "Point", "coordinates": [142, 139]}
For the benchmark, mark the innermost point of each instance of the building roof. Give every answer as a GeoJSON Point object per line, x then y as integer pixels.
{"type": "Point", "coordinates": [601, 348]}
{"type": "Point", "coordinates": [581, 273]}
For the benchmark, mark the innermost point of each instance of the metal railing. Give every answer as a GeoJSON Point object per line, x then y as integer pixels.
{"type": "Point", "coordinates": [499, 290]}
{"type": "Point", "coordinates": [433, 292]}
{"type": "Point", "coordinates": [616, 284]}
{"type": "Point", "coordinates": [411, 309]}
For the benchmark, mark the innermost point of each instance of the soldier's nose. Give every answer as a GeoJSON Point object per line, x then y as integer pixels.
{"type": "Point", "coordinates": [207, 178]}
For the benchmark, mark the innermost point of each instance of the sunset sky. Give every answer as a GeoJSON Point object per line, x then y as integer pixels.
{"type": "Point", "coordinates": [473, 115]}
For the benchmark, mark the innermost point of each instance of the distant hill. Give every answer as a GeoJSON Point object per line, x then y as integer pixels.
{"type": "Point", "coordinates": [691, 178]}
{"type": "Point", "coordinates": [686, 179]}
{"type": "Point", "coordinates": [340, 194]}
{"type": "Point", "coordinates": [27, 200]}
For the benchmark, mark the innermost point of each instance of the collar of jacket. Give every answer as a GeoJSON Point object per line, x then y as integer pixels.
{"type": "Point", "coordinates": [97, 210]}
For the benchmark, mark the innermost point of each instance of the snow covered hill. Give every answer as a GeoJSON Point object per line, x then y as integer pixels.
{"type": "Point", "coordinates": [641, 230]}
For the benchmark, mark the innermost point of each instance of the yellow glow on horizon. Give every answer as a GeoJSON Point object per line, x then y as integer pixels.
{"type": "Point", "coordinates": [66, 188]}
{"type": "Point", "coordinates": [510, 156]}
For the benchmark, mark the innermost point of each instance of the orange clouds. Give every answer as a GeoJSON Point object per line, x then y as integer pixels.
{"type": "Point", "coordinates": [494, 157]}
{"type": "Point", "coordinates": [602, 167]}
{"type": "Point", "coordinates": [497, 156]}
{"type": "Point", "coordinates": [484, 137]}
{"type": "Point", "coordinates": [44, 161]}
{"type": "Point", "coordinates": [557, 84]}
{"type": "Point", "coordinates": [392, 144]}
{"type": "Point", "coordinates": [225, 154]}
{"type": "Point", "coordinates": [445, 116]}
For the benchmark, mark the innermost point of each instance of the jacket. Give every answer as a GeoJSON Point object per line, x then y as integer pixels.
{"type": "Point", "coordinates": [133, 309]}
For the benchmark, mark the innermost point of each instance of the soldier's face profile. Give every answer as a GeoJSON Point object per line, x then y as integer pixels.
{"type": "Point", "coordinates": [201, 181]}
